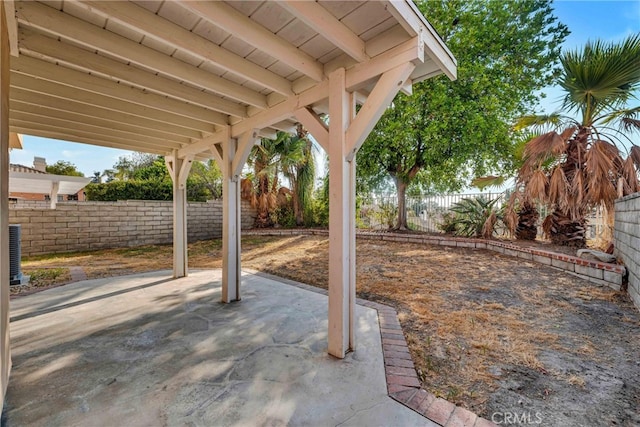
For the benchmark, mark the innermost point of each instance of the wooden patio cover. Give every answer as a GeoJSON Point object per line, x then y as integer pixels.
{"type": "Point", "coordinates": [193, 80]}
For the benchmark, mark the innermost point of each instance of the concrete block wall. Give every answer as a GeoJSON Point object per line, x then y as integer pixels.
{"type": "Point", "coordinates": [80, 226]}
{"type": "Point", "coordinates": [626, 238]}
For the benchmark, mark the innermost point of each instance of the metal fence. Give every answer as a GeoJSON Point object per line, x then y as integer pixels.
{"type": "Point", "coordinates": [426, 213]}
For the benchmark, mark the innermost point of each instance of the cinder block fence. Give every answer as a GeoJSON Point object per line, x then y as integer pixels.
{"type": "Point", "coordinates": [79, 226]}
{"type": "Point", "coordinates": [626, 237]}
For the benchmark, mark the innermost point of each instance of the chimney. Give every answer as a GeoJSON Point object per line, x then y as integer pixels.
{"type": "Point", "coordinates": [40, 164]}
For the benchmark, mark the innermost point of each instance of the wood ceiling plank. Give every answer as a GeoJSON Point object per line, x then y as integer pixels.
{"type": "Point", "coordinates": [99, 107]}
{"type": "Point", "coordinates": [25, 111]}
{"type": "Point", "coordinates": [36, 44]}
{"type": "Point", "coordinates": [160, 29]}
{"type": "Point", "coordinates": [234, 22]}
{"type": "Point", "coordinates": [325, 24]}
{"type": "Point", "coordinates": [72, 135]}
{"type": "Point", "coordinates": [56, 123]}
{"type": "Point", "coordinates": [48, 71]}
{"type": "Point", "coordinates": [63, 25]}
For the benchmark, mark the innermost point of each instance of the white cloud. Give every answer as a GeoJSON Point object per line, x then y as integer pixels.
{"type": "Point", "coordinates": [73, 154]}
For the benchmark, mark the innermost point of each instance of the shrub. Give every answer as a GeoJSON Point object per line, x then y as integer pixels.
{"type": "Point", "coordinates": [472, 217]}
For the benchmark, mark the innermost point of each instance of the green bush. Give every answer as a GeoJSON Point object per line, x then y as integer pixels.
{"type": "Point", "coordinates": [135, 189]}
{"type": "Point", "coordinates": [472, 217]}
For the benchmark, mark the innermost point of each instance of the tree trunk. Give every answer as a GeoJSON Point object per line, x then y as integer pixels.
{"type": "Point", "coordinates": [297, 209]}
{"type": "Point", "coordinates": [527, 228]}
{"type": "Point", "coordinates": [401, 188]}
{"type": "Point", "coordinates": [563, 231]}
{"type": "Point", "coordinates": [263, 219]}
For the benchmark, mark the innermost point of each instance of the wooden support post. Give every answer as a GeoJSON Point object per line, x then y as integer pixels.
{"type": "Point", "coordinates": [179, 170]}
{"type": "Point", "coordinates": [347, 132]}
{"type": "Point", "coordinates": [233, 157]}
{"type": "Point", "coordinates": [5, 350]}
{"type": "Point", "coordinates": [231, 269]}
{"type": "Point", "coordinates": [341, 218]}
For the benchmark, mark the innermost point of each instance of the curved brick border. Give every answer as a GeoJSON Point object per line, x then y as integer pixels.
{"type": "Point", "coordinates": [611, 275]}
{"type": "Point", "coordinates": [403, 384]}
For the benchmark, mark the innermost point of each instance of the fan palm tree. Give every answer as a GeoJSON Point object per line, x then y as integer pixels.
{"type": "Point", "coordinates": [575, 165]}
{"type": "Point", "coordinates": [287, 155]}
{"type": "Point", "coordinates": [300, 171]}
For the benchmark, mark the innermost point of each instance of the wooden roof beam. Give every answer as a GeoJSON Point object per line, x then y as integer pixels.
{"type": "Point", "coordinates": [12, 26]}
{"type": "Point", "coordinates": [328, 26]}
{"type": "Point", "coordinates": [45, 47]}
{"type": "Point", "coordinates": [49, 95]}
{"type": "Point", "coordinates": [411, 19]}
{"type": "Point", "coordinates": [234, 22]}
{"type": "Point", "coordinates": [51, 20]}
{"type": "Point", "coordinates": [151, 25]}
{"type": "Point", "coordinates": [40, 69]}
{"type": "Point", "coordinates": [80, 129]}
{"type": "Point", "coordinates": [91, 139]}
{"type": "Point", "coordinates": [22, 109]}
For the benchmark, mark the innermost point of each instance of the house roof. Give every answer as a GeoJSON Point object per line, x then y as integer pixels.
{"type": "Point", "coordinates": [159, 76]}
{"type": "Point", "coordinates": [26, 169]}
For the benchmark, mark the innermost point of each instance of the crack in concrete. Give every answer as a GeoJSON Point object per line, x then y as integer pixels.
{"type": "Point", "coordinates": [359, 411]}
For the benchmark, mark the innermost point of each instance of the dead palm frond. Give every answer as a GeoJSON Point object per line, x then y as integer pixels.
{"type": "Point", "coordinates": [536, 188]}
{"type": "Point", "coordinates": [559, 188]}
{"type": "Point", "coordinates": [548, 226]}
{"type": "Point", "coordinates": [489, 225]}
{"type": "Point", "coordinates": [629, 178]}
{"type": "Point", "coordinates": [545, 146]}
{"type": "Point", "coordinates": [634, 155]}
{"type": "Point", "coordinates": [510, 219]}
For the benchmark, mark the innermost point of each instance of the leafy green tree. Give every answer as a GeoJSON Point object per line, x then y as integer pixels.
{"type": "Point", "coordinates": [146, 177]}
{"type": "Point", "coordinates": [448, 132]}
{"type": "Point", "coordinates": [127, 167]}
{"type": "Point", "coordinates": [62, 167]}
{"type": "Point", "coordinates": [207, 176]}
{"type": "Point", "coordinates": [577, 164]}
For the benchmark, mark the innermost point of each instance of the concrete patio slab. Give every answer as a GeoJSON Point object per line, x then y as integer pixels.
{"type": "Point", "coordinates": [149, 350]}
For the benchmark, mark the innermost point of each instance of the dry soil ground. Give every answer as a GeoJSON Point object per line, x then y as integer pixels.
{"type": "Point", "coordinates": [501, 336]}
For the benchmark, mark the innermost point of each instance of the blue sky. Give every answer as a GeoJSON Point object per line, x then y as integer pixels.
{"type": "Point", "coordinates": [608, 20]}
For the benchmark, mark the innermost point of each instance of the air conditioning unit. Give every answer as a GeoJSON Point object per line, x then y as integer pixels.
{"type": "Point", "coordinates": [15, 271]}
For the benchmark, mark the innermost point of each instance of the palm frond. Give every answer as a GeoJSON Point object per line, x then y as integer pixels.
{"type": "Point", "coordinates": [537, 186]}
{"type": "Point", "coordinates": [577, 190]}
{"type": "Point", "coordinates": [541, 122]}
{"type": "Point", "coordinates": [628, 119]}
{"type": "Point", "coordinates": [483, 182]}
{"type": "Point", "coordinates": [543, 147]}
{"type": "Point", "coordinates": [559, 192]}
{"type": "Point", "coordinates": [489, 225]}
{"type": "Point", "coordinates": [634, 155]}
{"type": "Point", "coordinates": [629, 177]}
{"type": "Point", "coordinates": [600, 76]}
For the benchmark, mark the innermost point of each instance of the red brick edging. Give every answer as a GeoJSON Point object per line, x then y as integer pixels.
{"type": "Point", "coordinates": [403, 384]}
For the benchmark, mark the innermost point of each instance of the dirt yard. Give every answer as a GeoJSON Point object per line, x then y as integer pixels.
{"type": "Point", "coordinates": [493, 333]}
